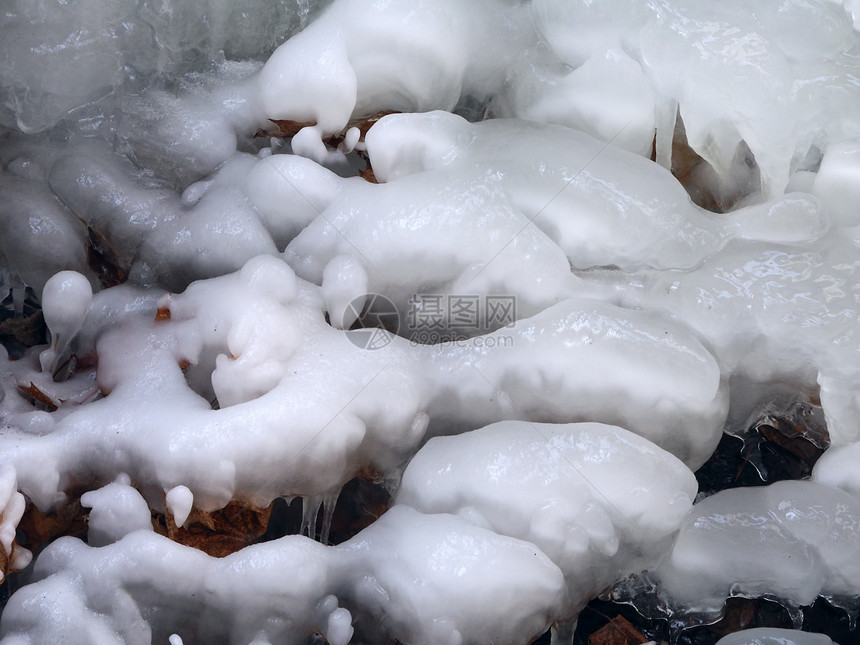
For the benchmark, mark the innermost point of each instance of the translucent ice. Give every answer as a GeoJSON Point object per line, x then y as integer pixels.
{"type": "Point", "coordinates": [793, 314]}
{"type": "Point", "coordinates": [793, 539]}
{"type": "Point", "coordinates": [150, 229]}
{"type": "Point", "coordinates": [773, 636]}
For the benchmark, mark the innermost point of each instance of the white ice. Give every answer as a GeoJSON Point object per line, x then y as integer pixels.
{"type": "Point", "coordinates": [773, 636]}
{"type": "Point", "coordinates": [794, 539]}
{"type": "Point", "coordinates": [601, 502]}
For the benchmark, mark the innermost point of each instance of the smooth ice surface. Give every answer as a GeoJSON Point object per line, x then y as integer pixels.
{"type": "Point", "coordinates": [62, 56]}
{"type": "Point", "coordinates": [793, 312]}
{"type": "Point", "coordinates": [600, 501]}
{"type": "Point", "coordinates": [444, 49]}
{"type": "Point", "coordinates": [773, 636]}
{"type": "Point", "coordinates": [794, 539]}
{"type": "Point", "coordinates": [417, 576]}
{"type": "Point", "coordinates": [601, 205]}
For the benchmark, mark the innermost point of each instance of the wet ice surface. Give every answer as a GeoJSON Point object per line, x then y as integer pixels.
{"type": "Point", "coordinates": [546, 455]}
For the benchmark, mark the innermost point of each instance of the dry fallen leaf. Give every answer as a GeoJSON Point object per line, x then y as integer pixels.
{"type": "Point", "coordinates": [37, 398]}
{"type": "Point", "coordinates": [618, 631]}
{"type": "Point", "coordinates": [219, 533]}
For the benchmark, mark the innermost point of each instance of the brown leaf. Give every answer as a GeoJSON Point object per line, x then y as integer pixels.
{"type": "Point", "coordinates": [26, 332]}
{"type": "Point", "coordinates": [37, 398]}
{"type": "Point", "coordinates": [219, 533]}
{"type": "Point", "coordinates": [287, 129]}
{"type": "Point", "coordinates": [41, 528]}
{"type": "Point", "coordinates": [104, 260]}
{"type": "Point", "coordinates": [618, 631]}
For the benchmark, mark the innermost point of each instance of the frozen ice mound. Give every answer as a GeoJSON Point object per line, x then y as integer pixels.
{"type": "Point", "coordinates": [140, 587]}
{"type": "Point", "coordinates": [601, 502]}
{"type": "Point", "coordinates": [225, 383]}
{"type": "Point", "coordinates": [772, 636]}
{"type": "Point", "coordinates": [794, 539]}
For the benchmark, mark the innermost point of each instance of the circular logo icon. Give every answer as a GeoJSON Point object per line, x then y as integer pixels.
{"type": "Point", "coordinates": [375, 321]}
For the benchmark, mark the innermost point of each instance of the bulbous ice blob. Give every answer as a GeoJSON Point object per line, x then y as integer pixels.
{"type": "Point", "coordinates": [837, 467]}
{"type": "Point", "coordinates": [145, 588]}
{"type": "Point", "coordinates": [179, 501]}
{"type": "Point", "coordinates": [115, 511]}
{"type": "Point", "coordinates": [440, 234]}
{"type": "Point", "coordinates": [601, 502]}
{"type": "Point", "coordinates": [297, 391]}
{"type": "Point", "coordinates": [288, 192]}
{"type": "Point", "coordinates": [793, 539]}
{"type": "Point", "coordinates": [586, 360]}
{"type": "Point", "coordinates": [66, 300]}
{"type": "Point", "coordinates": [344, 282]}
{"type": "Point", "coordinates": [774, 636]}
{"type": "Point", "coordinates": [429, 579]}
{"type": "Point", "coordinates": [444, 49]}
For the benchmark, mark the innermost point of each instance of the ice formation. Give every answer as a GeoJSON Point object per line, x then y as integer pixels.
{"type": "Point", "coordinates": [765, 636]}
{"type": "Point", "coordinates": [140, 587]}
{"type": "Point", "coordinates": [793, 539]}
{"type": "Point", "coordinates": [200, 280]}
{"type": "Point", "coordinates": [598, 500]}
{"type": "Point", "coordinates": [256, 342]}
{"type": "Point", "coordinates": [793, 312]}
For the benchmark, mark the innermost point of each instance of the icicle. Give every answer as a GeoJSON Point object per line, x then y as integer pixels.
{"type": "Point", "coordinates": [18, 296]}
{"type": "Point", "coordinates": [795, 613]}
{"type": "Point", "coordinates": [562, 632]}
{"type": "Point", "coordinates": [310, 512]}
{"type": "Point", "coordinates": [667, 115]}
{"type": "Point", "coordinates": [329, 504]}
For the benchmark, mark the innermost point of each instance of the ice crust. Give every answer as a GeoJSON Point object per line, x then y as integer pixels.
{"type": "Point", "coordinates": [544, 461]}
{"type": "Point", "coordinates": [773, 636]}
{"type": "Point", "coordinates": [257, 343]}
{"type": "Point", "coordinates": [140, 587]}
{"type": "Point", "coordinates": [794, 539]}
{"type": "Point", "coordinates": [577, 491]}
